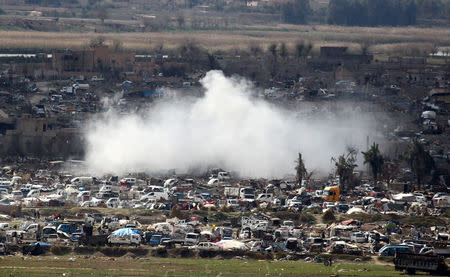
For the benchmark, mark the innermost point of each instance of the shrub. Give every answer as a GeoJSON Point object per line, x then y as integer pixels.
{"type": "Point", "coordinates": [113, 251]}
{"type": "Point", "coordinates": [226, 209]}
{"type": "Point", "coordinates": [175, 212]}
{"type": "Point", "coordinates": [315, 210]}
{"type": "Point", "coordinates": [160, 252]}
{"type": "Point", "coordinates": [328, 216]}
{"type": "Point", "coordinates": [181, 253]}
{"type": "Point", "coordinates": [287, 215]}
{"type": "Point", "coordinates": [84, 250]}
{"type": "Point", "coordinates": [307, 218]}
{"type": "Point", "coordinates": [138, 251]}
{"type": "Point", "coordinates": [15, 212]}
{"type": "Point", "coordinates": [232, 254]}
{"type": "Point", "coordinates": [60, 250]}
{"type": "Point", "coordinates": [219, 216]}
{"type": "Point", "coordinates": [207, 253]}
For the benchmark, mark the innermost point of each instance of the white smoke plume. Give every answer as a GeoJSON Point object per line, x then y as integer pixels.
{"type": "Point", "coordinates": [225, 128]}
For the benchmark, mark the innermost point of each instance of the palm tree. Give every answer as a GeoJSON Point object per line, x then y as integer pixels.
{"type": "Point", "coordinates": [345, 164]}
{"type": "Point", "coordinates": [374, 158]}
{"type": "Point", "coordinates": [420, 161]}
{"type": "Point", "coordinates": [300, 169]}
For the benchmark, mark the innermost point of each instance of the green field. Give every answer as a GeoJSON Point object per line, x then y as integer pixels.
{"type": "Point", "coordinates": [103, 266]}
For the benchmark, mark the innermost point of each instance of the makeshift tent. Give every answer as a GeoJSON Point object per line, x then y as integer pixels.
{"type": "Point", "coordinates": [125, 232]}
{"type": "Point", "coordinates": [231, 244]}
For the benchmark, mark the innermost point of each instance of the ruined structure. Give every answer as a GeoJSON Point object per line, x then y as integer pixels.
{"type": "Point", "coordinates": [96, 59]}
{"type": "Point", "coordinates": [39, 137]}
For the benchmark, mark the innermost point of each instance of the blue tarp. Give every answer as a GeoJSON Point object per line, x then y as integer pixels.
{"type": "Point", "coordinates": [41, 244]}
{"type": "Point", "coordinates": [125, 232]}
{"type": "Point", "coordinates": [148, 93]}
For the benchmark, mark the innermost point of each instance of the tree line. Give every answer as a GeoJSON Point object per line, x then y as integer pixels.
{"type": "Point", "coordinates": [372, 13]}
{"type": "Point", "coordinates": [368, 12]}
{"type": "Point", "coordinates": [416, 157]}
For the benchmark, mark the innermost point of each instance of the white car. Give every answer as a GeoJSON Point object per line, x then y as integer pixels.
{"type": "Point", "coordinates": [232, 203]}
{"type": "Point", "coordinates": [213, 181]}
{"type": "Point", "coordinates": [17, 195]}
{"type": "Point", "coordinates": [112, 202]}
{"type": "Point", "coordinates": [265, 197]}
{"type": "Point", "coordinates": [223, 176]}
{"type": "Point", "coordinates": [358, 237]}
{"type": "Point", "coordinates": [205, 246]}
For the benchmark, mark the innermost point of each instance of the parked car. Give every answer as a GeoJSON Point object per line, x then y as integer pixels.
{"type": "Point", "coordinates": [390, 250]}
{"type": "Point", "coordinates": [205, 246]}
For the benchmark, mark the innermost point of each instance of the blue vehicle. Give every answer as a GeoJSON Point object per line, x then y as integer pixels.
{"type": "Point", "coordinates": [155, 240]}
{"type": "Point", "coordinates": [164, 241]}
{"type": "Point", "coordinates": [68, 228]}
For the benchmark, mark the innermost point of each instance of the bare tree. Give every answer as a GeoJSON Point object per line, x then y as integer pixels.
{"type": "Point", "coordinates": [283, 51]}
{"type": "Point", "coordinates": [255, 49]}
{"type": "Point", "coordinates": [117, 45]}
{"type": "Point", "coordinates": [102, 14]}
{"type": "Point", "coordinates": [97, 41]}
{"type": "Point", "coordinates": [181, 21]}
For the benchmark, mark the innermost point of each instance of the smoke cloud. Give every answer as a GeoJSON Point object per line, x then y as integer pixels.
{"type": "Point", "coordinates": [226, 128]}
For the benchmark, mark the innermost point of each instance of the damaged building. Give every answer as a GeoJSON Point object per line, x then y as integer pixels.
{"type": "Point", "coordinates": [40, 137]}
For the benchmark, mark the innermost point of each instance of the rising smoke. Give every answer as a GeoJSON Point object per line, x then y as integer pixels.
{"type": "Point", "coordinates": [225, 128]}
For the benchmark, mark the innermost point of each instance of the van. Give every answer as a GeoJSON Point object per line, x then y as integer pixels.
{"type": "Point", "coordinates": [390, 250]}
{"type": "Point", "coordinates": [191, 239]}
{"type": "Point", "coordinates": [155, 192]}
{"type": "Point", "coordinates": [4, 226]}
{"type": "Point", "coordinates": [17, 194]}
{"type": "Point", "coordinates": [128, 182]}
{"type": "Point", "coordinates": [358, 237]}
{"type": "Point", "coordinates": [223, 175]}
{"type": "Point", "coordinates": [83, 196]}
{"type": "Point", "coordinates": [82, 181]}
{"type": "Point", "coordinates": [265, 197]}
{"type": "Point", "coordinates": [34, 193]}
{"type": "Point", "coordinates": [232, 203]}
{"type": "Point", "coordinates": [112, 203]}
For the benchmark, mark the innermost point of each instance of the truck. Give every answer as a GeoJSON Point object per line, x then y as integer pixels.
{"type": "Point", "coordinates": [132, 239]}
{"type": "Point", "coordinates": [247, 194]}
{"type": "Point", "coordinates": [81, 181]}
{"type": "Point", "coordinates": [410, 262]}
{"type": "Point", "coordinates": [81, 86]}
{"type": "Point", "coordinates": [231, 192]}
{"type": "Point", "coordinates": [331, 194]}
{"type": "Point", "coordinates": [155, 239]}
{"type": "Point", "coordinates": [191, 239]}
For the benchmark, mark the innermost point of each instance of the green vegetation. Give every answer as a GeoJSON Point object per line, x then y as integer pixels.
{"type": "Point", "coordinates": [98, 266]}
{"type": "Point", "coordinates": [296, 11]}
{"type": "Point", "coordinates": [420, 161]}
{"type": "Point", "coordinates": [345, 164]}
{"type": "Point", "coordinates": [328, 216]}
{"type": "Point", "coordinates": [374, 158]}
{"type": "Point", "coordinates": [426, 221]}
{"type": "Point", "coordinates": [372, 13]}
